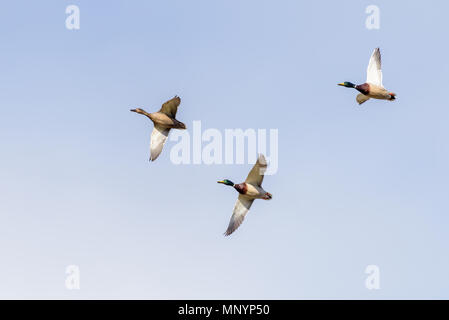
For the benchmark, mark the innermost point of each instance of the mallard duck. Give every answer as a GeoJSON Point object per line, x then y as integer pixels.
{"type": "Point", "coordinates": [248, 191]}
{"type": "Point", "coordinates": [373, 87]}
{"type": "Point", "coordinates": [164, 120]}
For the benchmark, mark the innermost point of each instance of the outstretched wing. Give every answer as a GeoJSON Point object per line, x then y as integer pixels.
{"type": "Point", "coordinates": [255, 176]}
{"type": "Point", "coordinates": [361, 98]}
{"type": "Point", "coordinates": [158, 138]}
{"type": "Point", "coordinates": [374, 71]}
{"type": "Point", "coordinates": [241, 208]}
{"type": "Point", "coordinates": [171, 107]}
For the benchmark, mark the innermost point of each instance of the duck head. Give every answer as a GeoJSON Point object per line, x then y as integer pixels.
{"type": "Point", "coordinates": [347, 84]}
{"type": "Point", "coordinates": [141, 111]}
{"type": "Point", "coordinates": [226, 182]}
{"type": "Point", "coordinates": [138, 110]}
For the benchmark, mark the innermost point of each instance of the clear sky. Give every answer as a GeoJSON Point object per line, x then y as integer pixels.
{"type": "Point", "coordinates": [356, 186]}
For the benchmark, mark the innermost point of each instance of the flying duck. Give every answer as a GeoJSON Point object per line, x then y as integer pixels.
{"type": "Point", "coordinates": [164, 120]}
{"type": "Point", "coordinates": [248, 191]}
{"type": "Point", "coordinates": [373, 87]}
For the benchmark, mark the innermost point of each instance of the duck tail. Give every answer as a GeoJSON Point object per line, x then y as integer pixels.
{"type": "Point", "coordinates": [180, 125]}
{"type": "Point", "coordinates": [392, 96]}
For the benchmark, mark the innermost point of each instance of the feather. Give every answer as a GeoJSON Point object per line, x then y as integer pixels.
{"type": "Point", "coordinates": [374, 70]}
{"type": "Point", "coordinates": [241, 208]}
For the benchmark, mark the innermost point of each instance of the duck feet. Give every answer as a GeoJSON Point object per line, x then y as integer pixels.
{"type": "Point", "coordinates": [267, 196]}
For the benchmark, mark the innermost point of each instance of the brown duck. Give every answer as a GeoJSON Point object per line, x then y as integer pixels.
{"type": "Point", "coordinates": [164, 120]}
{"type": "Point", "coordinates": [373, 87]}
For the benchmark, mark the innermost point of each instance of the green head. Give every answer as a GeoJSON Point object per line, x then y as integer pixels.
{"type": "Point", "coordinates": [226, 182]}
{"type": "Point", "coordinates": [347, 84]}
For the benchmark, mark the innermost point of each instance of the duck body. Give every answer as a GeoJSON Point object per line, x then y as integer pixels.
{"type": "Point", "coordinates": [166, 121]}
{"type": "Point", "coordinates": [252, 191]}
{"type": "Point", "coordinates": [376, 92]}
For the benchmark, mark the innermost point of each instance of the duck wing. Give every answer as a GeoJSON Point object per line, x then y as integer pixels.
{"type": "Point", "coordinates": [241, 208]}
{"type": "Point", "coordinates": [171, 107]}
{"type": "Point", "coordinates": [158, 138]}
{"type": "Point", "coordinates": [361, 98]}
{"type": "Point", "coordinates": [255, 176]}
{"type": "Point", "coordinates": [374, 71]}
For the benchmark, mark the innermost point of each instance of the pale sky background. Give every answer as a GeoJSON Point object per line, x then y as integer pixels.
{"type": "Point", "coordinates": [356, 185]}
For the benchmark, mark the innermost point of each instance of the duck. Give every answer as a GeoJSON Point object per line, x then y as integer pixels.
{"type": "Point", "coordinates": [249, 191]}
{"type": "Point", "coordinates": [164, 120]}
{"type": "Point", "coordinates": [373, 87]}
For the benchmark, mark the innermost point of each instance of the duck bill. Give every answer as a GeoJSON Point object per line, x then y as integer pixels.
{"type": "Point", "coordinates": [341, 84]}
{"type": "Point", "coordinates": [221, 181]}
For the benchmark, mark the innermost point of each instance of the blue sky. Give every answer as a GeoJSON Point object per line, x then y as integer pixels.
{"type": "Point", "coordinates": [356, 186]}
